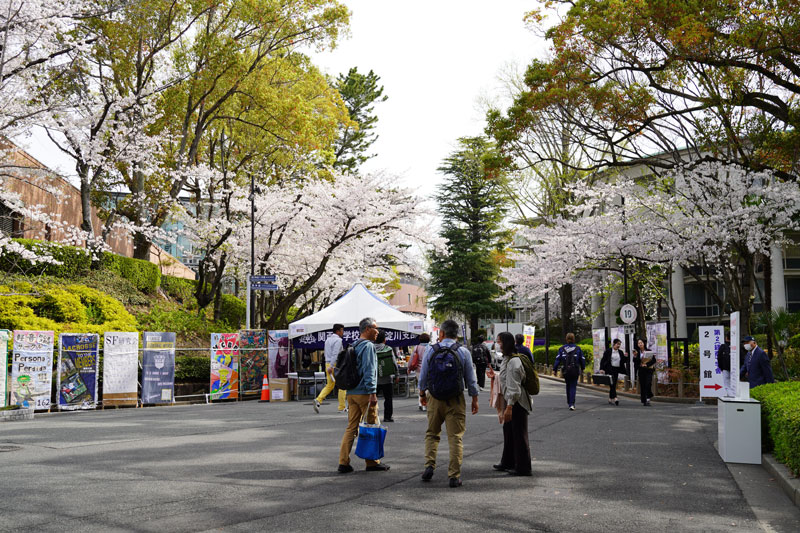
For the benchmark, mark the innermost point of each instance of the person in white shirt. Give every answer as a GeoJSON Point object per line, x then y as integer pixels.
{"type": "Point", "coordinates": [613, 364]}
{"type": "Point", "coordinates": [333, 345]}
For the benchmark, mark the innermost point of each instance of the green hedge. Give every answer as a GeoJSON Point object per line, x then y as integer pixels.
{"type": "Point", "coordinates": [233, 310]}
{"type": "Point", "coordinates": [74, 261]}
{"type": "Point", "coordinates": [193, 368]}
{"type": "Point", "coordinates": [780, 421]}
{"type": "Point", "coordinates": [539, 354]}
{"type": "Point", "coordinates": [145, 275]}
{"type": "Point", "coordinates": [179, 288]}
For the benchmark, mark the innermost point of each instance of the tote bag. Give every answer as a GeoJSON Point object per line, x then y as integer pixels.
{"type": "Point", "coordinates": [370, 439]}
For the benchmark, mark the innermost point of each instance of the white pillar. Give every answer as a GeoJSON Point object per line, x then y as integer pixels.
{"type": "Point", "coordinates": [598, 315]}
{"type": "Point", "coordinates": [678, 299]}
{"type": "Point", "coordinates": [612, 304]}
{"type": "Point", "coordinates": [778, 281]}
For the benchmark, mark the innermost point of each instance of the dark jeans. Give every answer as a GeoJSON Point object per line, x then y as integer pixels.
{"type": "Point", "coordinates": [612, 392]}
{"type": "Point", "coordinates": [387, 390]}
{"type": "Point", "coordinates": [645, 384]}
{"type": "Point", "coordinates": [516, 448]}
{"type": "Point", "coordinates": [572, 387]}
{"type": "Point", "coordinates": [480, 370]}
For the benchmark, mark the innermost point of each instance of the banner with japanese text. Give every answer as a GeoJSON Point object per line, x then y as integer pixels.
{"type": "Point", "coordinates": [316, 340]}
{"type": "Point", "coordinates": [78, 364]}
{"type": "Point", "coordinates": [528, 332]}
{"type": "Point", "coordinates": [158, 367]}
{"type": "Point", "coordinates": [711, 384]}
{"type": "Point", "coordinates": [736, 356]}
{"type": "Point", "coordinates": [598, 347]}
{"type": "Point", "coordinates": [252, 359]}
{"type": "Point", "coordinates": [32, 369]}
{"type": "Point", "coordinates": [5, 335]}
{"type": "Point", "coordinates": [657, 342]}
{"type": "Point", "coordinates": [224, 366]}
{"type": "Point", "coordinates": [279, 365]}
{"type": "Point", "coordinates": [121, 368]}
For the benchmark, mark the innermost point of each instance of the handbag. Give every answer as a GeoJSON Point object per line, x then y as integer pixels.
{"type": "Point", "coordinates": [370, 439]}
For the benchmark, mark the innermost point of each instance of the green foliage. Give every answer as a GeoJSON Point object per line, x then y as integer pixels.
{"type": "Point", "coordinates": [180, 289]}
{"type": "Point", "coordinates": [75, 262]}
{"type": "Point", "coordinates": [539, 354]}
{"type": "Point", "coordinates": [181, 322]}
{"type": "Point", "coordinates": [780, 415]}
{"type": "Point", "coordinates": [192, 369]}
{"type": "Point", "coordinates": [62, 309]}
{"type": "Point", "coordinates": [144, 275]}
{"type": "Point", "coordinates": [233, 310]}
{"type": "Point", "coordinates": [360, 93]}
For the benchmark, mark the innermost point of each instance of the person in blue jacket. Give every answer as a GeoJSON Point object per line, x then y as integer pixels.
{"type": "Point", "coordinates": [756, 367]}
{"type": "Point", "coordinates": [571, 357]}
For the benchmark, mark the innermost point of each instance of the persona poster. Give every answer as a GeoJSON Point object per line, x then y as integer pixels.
{"type": "Point", "coordinates": [120, 368]}
{"type": "Point", "coordinates": [279, 364]}
{"type": "Point", "coordinates": [76, 375]}
{"type": "Point", "coordinates": [711, 385]}
{"type": "Point", "coordinates": [32, 369]}
{"type": "Point", "coordinates": [598, 347]}
{"type": "Point", "coordinates": [4, 337]}
{"type": "Point", "coordinates": [224, 365]}
{"type": "Point", "coordinates": [252, 359]}
{"type": "Point", "coordinates": [158, 367]}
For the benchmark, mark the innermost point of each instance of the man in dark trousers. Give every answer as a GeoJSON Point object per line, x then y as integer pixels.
{"type": "Point", "coordinates": [570, 357]}
{"type": "Point", "coordinates": [724, 364]}
{"type": "Point", "coordinates": [521, 348]}
{"type": "Point", "coordinates": [756, 367]}
{"type": "Point", "coordinates": [481, 358]}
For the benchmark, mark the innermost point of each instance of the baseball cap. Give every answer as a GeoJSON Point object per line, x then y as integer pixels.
{"type": "Point", "coordinates": [748, 339]}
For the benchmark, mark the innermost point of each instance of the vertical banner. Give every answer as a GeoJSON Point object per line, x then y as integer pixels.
{"type": "Point", "coordinates": [711, 338]}
{"type": "Point", "coordinates": [735, 354]}
{"type": "Point", "coordinates": [279, 365]}
{"type": "Point", "coordinates": [224, 366]}
{"type": "Point", "coordinates": [78, 364]}
{"type": "Point", "coordinates": [158, 367]}
{"type": "Point", "coordinates": [252, 359]}
{"type": "Point", "coordinates": [32, 369]}
{"type": "Point", "coordinates": [120, 368]}
{"type": "Point", "coordinates": [5, 335]}
{"type": "Point", "coordinates": [529, 332]}
{"type": "Point", "coordinates": [657, 342]}
{"type": "Point", "coordinates": [598, 347]}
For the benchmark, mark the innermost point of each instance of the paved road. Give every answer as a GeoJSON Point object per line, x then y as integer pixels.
{"type": "Point", "coordinates": [252, 466]}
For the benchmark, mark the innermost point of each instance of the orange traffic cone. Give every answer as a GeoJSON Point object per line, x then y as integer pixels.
{"type": "Point", "coordinates": [264, 390]}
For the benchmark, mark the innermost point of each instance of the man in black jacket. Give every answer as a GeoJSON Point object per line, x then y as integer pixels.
{"type": "Point", "coordinates": [481, 358]}
{"type": "Point", "coordinates": [724, 364]}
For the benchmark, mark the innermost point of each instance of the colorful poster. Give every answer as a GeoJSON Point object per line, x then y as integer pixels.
{"type": "Point", "coordinates": [657, 342]}
{"type": "Point", "coordinates": [5, 335]}
{"type": "Point", "coordinates": [598, 347]}
{"type": "Point", "coordinates": [528, 332]}
{"type": "Point", "coordinates": [158, 367]}
{"type": "Point", "coordinates": [224, 366]}
{"type": "Point", "coordinates": [279, 364]}
{"type": "Point", "coordinates": [121, 368]}
{"type": "Point", "coordinates": [736, 356]}
{"type": "Point", "coordinates": [711, 385]}
{"type": "Point", "coordinates": [32, 369]}
{"type": "Point", "coordinates": [252, 359]}
{"type": "Point", "coordinates": [76, 378]}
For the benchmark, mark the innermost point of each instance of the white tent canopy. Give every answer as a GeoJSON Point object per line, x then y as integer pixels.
{"type": "Point", "coordinates": [348, 310]}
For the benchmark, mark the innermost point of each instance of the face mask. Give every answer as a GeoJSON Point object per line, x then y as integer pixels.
{"type": "Point", "coordinates": [748, 347]}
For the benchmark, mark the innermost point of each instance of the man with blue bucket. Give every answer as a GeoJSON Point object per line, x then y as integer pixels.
{"type": "Point", "coordinates": [362, 399]}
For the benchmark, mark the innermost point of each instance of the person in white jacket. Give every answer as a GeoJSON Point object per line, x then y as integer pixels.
{"type": "Point", "coordinates": [516, 459]}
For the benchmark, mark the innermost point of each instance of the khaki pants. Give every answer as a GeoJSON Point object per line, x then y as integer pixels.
{"type": "Point", "coordinates": [452, 412]}
{"type": "Point", "coordinates": [329, 387]}
{"type": "Point", "coordinates": [358, 404]}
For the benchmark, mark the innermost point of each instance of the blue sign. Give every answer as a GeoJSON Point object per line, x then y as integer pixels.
{"type": "Point", "coordinates": [269, 278]}
{"type": "Point", "coordinates": [263, 287]}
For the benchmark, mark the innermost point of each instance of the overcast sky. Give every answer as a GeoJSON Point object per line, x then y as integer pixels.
{"type": "Point", "coordinates": [436, 59]}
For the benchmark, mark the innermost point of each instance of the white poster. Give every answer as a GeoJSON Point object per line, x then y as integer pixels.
{"type": "Point", "coordinates": [735, 356]}
{"type": "Point", "coordinates": [32, 369]}
{"type": "Point", "coordinates": [711, 338]}
{"type": "Point", "coordinates": [5, 336]}
{"type": "Point", "coordinates": [120, 368]}
{"type": "Point", "coordinates": [657, 342]}
{"type": "Point", "coordinates": [598, 347]}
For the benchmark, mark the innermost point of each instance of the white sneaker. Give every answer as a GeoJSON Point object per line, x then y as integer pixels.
{"type": "Point", "coordinates": [571, 407]}
{"type": "Point", "coordinates": [316, 406]}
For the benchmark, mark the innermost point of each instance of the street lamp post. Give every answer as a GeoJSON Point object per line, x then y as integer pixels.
{"type": "Point", "coordinates": [547, 328]}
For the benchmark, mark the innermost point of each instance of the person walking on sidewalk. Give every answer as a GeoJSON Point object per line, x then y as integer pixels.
{"type": "Point", "coordinates": [613, 364]}
{"type": "Point", "coordinates": [446, 368]}
{"type": "Point", "coordinates": [333, 345]}
{"type": "Point", "coordinates": [481, 358]}
{"type": "Point", "coordinates": [644, 364]}
{"type": "Point", "coordinates": [724, 364]}
{"type": "Point", "coordinates": [521, 348]}
{"type": "Point", "coordinates": [416, 362]}
{"type": "Point", "coordinates": [387, 370]}
{"type": "Point", "coordinates": [363, 398]}
{"type": "Point", "coordinates": [516, 458]}
{"type": "Point", "coordinates": [756, 367]}
{"type": "Point", "coordinates": [571, 357]}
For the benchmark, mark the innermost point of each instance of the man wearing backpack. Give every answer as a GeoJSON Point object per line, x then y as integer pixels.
{"type": "Point", "coordinates": [363, 397]}
{"type": "Point", "coordinates": [446, 368]}
{"type": "Point", "coordinates": [571, 357]}
{"type": "Point", "coordinates": [481, 358]}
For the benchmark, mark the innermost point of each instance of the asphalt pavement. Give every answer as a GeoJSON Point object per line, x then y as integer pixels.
{"type": "Point", "coordinates": [252, 466]}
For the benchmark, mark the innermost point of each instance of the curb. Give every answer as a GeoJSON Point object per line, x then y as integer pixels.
{"type": "Point", "coordinates": [663, 399]}
{"type": "Point", "coordinates": [787, 482]}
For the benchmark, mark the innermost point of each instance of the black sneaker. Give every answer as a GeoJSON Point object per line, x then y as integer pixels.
{"type": "Point", "coordinates": [427, 474]}
{"type": "Point", "coordinates": [345, 469]}
{"type": "Point", "coordinates": [455, 482]}
{"type": "Point", "coordinates": [378, 468]}
{"type": "Point", "coordinates": [500, 467]}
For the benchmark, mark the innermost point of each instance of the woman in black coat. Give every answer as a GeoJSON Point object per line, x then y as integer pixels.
{"type": "Point", "coordinates": [644, 366]}
{"type": "Point", "coordinates": [613, 364]}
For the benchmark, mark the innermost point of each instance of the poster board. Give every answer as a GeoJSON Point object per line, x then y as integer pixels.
{"type": "Point", "coordinates": [120, 368]}
{"type": "Point", "coordinates": [158, 367]}
{"type": "Point", "coordinates": [657, 342]}
{"type": "Point", "coordinates": [77, 370]}
{"type": "Point", "coordinates": [528, 332]}
{"type": "Point", "coordinates": [252, 360]}
{"type": "Point", "coordinates": [224, 366]}
{"type": "Point", "coordinates": [5, 335]}
{"type": "Point", "coordinates": [598, 347]}
{"type": "Point", "coordinates": [711, 338]}
{"type": "Point", "coordinates": [32, 369]}
{"type": "Point", "coordinates": [279, 365]}
{"type": "Point", "coordinates": [736, 355]}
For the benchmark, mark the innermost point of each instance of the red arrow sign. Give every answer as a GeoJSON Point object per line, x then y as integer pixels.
{"type": "Point", "coordinates": [714, 386]}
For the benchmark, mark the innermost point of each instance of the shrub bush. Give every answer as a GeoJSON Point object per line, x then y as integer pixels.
{"type": "Point", "coordinates": [143, 274]}
{"type": "Point", "coordinates": [233, 310]}
{"type": "Point", "coordinates": [539, 354]}
{"type": "Point", "coordinates": [193, 369]}
{"type": "Point", "coordinates": [178, 288]}
{"type": "Point", "coordinates": [780, 421]}
{"type": "Point", "coordinates": [74, 261]}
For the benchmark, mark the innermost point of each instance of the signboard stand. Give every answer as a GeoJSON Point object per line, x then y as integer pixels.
{"type": "Point", "coordinates": [259, 283]}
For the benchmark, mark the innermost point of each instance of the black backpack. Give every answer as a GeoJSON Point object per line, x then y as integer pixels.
{"type": "Point", "coordinates": [479, 355]}
{"type": "Point", "coordinates": [346, 372]}
{"type": "Point", "coordinates": [445, 372]}
{"type": "Point", "coordinates": [571, 367]}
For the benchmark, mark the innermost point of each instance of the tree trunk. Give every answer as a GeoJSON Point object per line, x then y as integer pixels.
{"type": "Point", "coordinates": [746, 303]}
{"type": "Point", "coordinates": [565, 294]}
{"type": "Point", "coordinates": [766, 298]}
{"type": "Point", "coordinates": [473, 328]}
{"type": "Point", "coordinates": [141, 246]}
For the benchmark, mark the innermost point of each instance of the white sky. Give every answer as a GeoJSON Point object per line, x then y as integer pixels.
{"type": "Point", "coordinates": [436, 59]}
